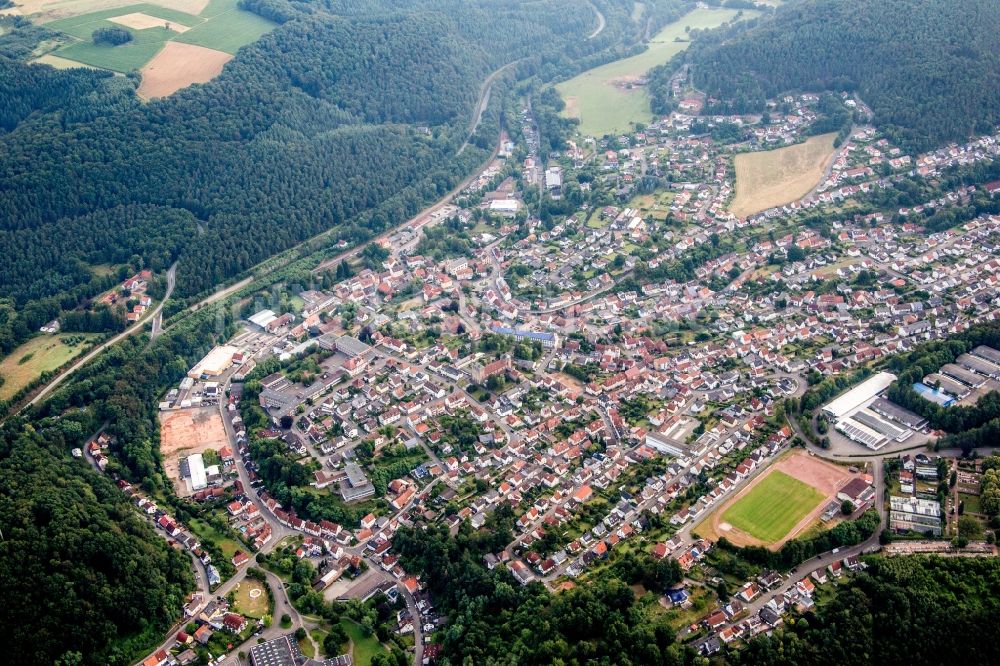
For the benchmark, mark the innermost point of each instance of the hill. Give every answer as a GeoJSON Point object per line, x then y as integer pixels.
{"type": "Point", "coordinates": [929, 69]}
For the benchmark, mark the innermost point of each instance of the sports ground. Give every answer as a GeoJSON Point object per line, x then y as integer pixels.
{"type": "Point", "coordinates": [782, 502]}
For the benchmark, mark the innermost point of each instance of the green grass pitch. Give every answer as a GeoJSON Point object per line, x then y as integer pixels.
{"type": "Point", "coordinates": [773, 507]}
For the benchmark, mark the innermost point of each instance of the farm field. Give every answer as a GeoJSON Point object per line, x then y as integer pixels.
{"type": "Point", "coordinates": [219, 27]}
{"type": "Point", "coordinates": [179, 65]}
{"type": "Point", "coordinates": [775, 177]}
{"type": "Point", "coordinates": [773, 507]}
{"type": "Point", "coordinates": [40, 354]}
{"type": "Point", "coordinates": [782, 503]}
{"type": "Point", "coordinates": [605, 98]}
{"type": "Point", "coordinates": [50, 10]}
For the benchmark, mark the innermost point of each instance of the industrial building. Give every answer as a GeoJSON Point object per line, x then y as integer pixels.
{"type": "Point", "coordinates": [198, 476]}
{"type": "Point", "coordinates": [846, 403]}
{"type": "Point", "coordinates": [851, 416]}
{"type": "Point", "coordinates": [215, 362]}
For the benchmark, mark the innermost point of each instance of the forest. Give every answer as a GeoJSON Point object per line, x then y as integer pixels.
{"type": "Point", "coordinates": [929, 69]}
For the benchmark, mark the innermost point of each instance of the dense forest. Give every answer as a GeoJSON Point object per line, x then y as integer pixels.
{"type": "Point", "coordinates": [83, 574]}
{"type": "Point", "coordinates": [929, 69]}
{"type": "Point", "coordinates": [903, 611]}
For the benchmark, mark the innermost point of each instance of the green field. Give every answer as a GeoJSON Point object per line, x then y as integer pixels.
{"type": "Point", "coordinates": [773, 507]}
{"type": "Point", "coordinates": [245, 604]}
{"type": "Point", "coordinates": [222, 26]}
{"type": "Point", "coordinates": [604, 107]}
{"type": "Point", "coordinates": [365, 647]}
{"type": "Point", "coordinates": [39, 354]}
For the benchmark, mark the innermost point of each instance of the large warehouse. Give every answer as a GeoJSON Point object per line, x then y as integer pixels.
{"type": "Point", "coordinates": [853, 399]}
{"type": "Point", "coordinates": [215, 362]}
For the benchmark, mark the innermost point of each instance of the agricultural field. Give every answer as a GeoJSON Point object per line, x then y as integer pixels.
{"type": "Point", "coordinates": [40, 354]}
{"type": "Point", "coordinates": [780, 504]}
{"type": "Point", "coordinates": [771, 178]}
{"type": "Point", "coordinates": [174, 44]}
{"type": "Point", "coordinates": [179, 65]}
{"type": "Point", "coordinates": [50, 10]}
{"type": "Point", "coordinates": [610, 98]}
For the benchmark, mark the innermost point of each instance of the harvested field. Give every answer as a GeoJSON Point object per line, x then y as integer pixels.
{"type": "Point", "coordinates": [42, 353]}
{"type": "Point", "coordinates": [776, 177]}
{"type": "Point", "coordinates": [59, 63]}
{"type": "Point", "coordinates": [49, 10]}
{"type": "Point", "coordinates": [141, 21]}
{"type": "Point", "coordinates": [778, 505]}
{"type": "Point", "coordinates": [184, 432]}
{"type": "Point", "coordinates": [178, 66]}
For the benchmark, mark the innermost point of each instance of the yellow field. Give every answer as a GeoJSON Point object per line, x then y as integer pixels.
{"type": "Point", "coordinates": [59, 63]}
{"type": "Point", "coordinates": [49, 10]}
{"type": "Point", "coordinates": [776, 177]}
{"type": "Point", "coordinates": [37, 355]}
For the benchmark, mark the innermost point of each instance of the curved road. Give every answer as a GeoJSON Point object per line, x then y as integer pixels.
{"type": "Point", "coordinates": [131, 330]}
{"type": "Point", "coordinates": [600, 21]}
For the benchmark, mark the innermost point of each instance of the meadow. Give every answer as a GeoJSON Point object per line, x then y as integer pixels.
{"type": "Point", "coordinates": [773, 507]}
{"type": "Point", "coordinates": [607, 100]}
{"type": "Point", "coordinates": [771, 178]}
{"type": "Point", "coordinates": [41, 353]}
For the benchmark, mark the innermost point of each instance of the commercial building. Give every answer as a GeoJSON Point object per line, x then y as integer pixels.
{"type": "Point", "coordinates": [262, 318]}
{"type": "Point", "coordinates": [215, 362]}
{"type": "Point", "coordinates": [285, 651]}
{"type": "Point", "coordinates": [196, 471]}
{"type": "Point", "coordinates": [355, 486]}
{"type": "Point", "coordinates": [846, 403]}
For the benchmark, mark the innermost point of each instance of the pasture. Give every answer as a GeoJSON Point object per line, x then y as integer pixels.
{"type": "Point", "coordinates": [42, 353]}
{"type": "Point", "coordinates": [612, 97]}
{"type": "Point", "coordinates": [779, 504]}
{"type": "Point", "coordinates": [771, 178]}
{"type": "Point", "coordinates": [200, 40]}
{"type": "Point", "coordinates": [773, 507]}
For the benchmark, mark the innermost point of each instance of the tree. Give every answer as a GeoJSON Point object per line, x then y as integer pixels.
{"type": "Point", "coordinates": [847, 507]}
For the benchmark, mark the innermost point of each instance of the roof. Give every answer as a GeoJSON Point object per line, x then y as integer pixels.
{"type": "Point", "coordinates": [857, 396]}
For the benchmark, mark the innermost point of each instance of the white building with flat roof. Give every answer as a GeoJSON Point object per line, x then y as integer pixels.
{"type": "Point", "coordinates": [856, 398]}
{"type": "Point", "coordinates": [196, 468]}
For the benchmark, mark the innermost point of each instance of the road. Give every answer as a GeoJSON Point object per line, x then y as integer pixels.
{"type": "Point", "coordinates": [600, 21]}
{"type": "Point", "coordinates": [92, 354]}
{"type": "Point", "coordinates": [484, 100]}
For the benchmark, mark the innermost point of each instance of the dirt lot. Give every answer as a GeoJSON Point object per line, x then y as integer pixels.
{"type": "Point", "coordinates": [825, 476]}
{"type": "Point", "coordinates": [141, 21]}
{"type": "Point", "coordinates": [184, 432]}
{"type": "Point", "coordinates": [178, 66]}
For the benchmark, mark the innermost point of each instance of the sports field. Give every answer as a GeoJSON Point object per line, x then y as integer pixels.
{"type": "Point", "coordinates": [219, 25]}
{"type": "Point", "coordinates": [771, 178]}
{"type": "Point", "coordinates": [606, 99]}
{"type": "Point", "coordinates": [773, 507]}
{"type": "Point", "coordinates": [779, 504]}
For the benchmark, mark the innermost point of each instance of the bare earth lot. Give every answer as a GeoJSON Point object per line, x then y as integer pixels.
{"type": "Point", "coordinates": [776, 177]}
{"type": "Point", "coordinates": [826, 477]}
{"type": "Point", "coordinates": [179, 65]}
{"type": "Point", "coordinates": [184, 432]}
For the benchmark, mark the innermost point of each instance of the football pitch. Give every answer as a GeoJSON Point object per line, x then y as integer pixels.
{"type": "Point", "coordinates": [773, 507]}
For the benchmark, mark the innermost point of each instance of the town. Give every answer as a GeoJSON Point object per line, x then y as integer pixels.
{"type": "Point", "coordinates": [614, 365]}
